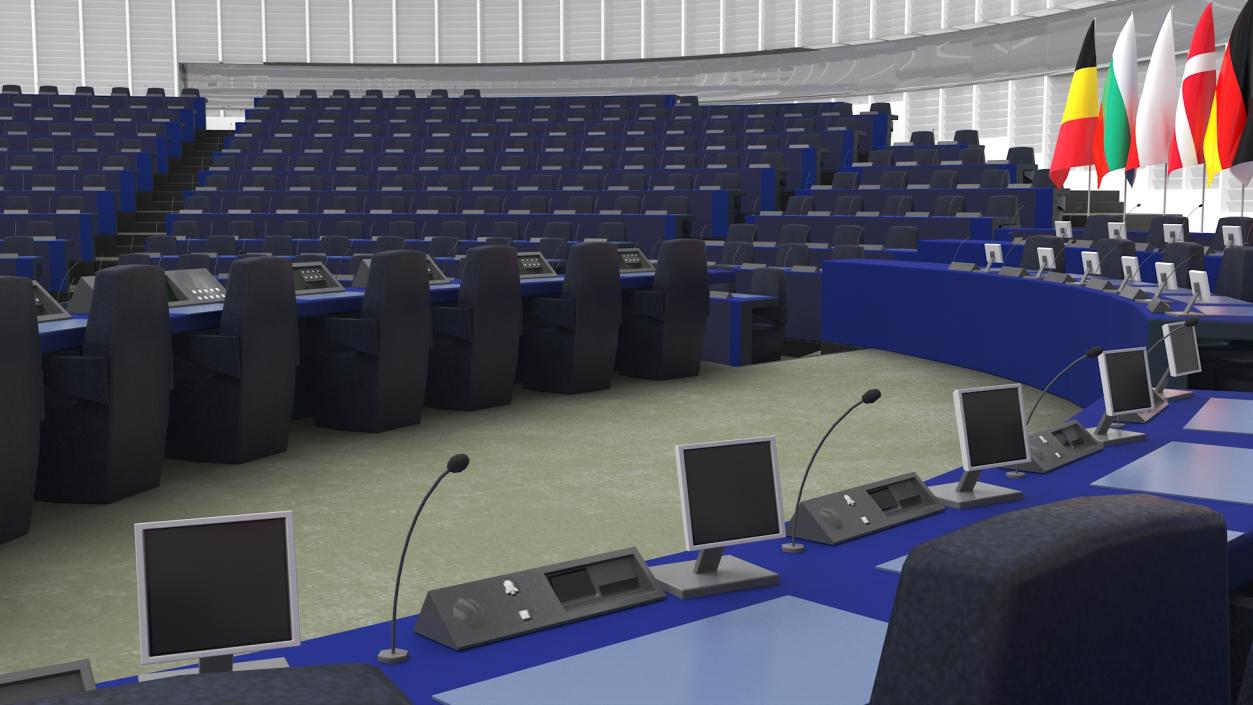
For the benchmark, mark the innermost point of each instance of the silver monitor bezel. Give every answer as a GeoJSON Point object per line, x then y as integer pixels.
{"type": "Point", "coordinates": [1105, 391]}
{"type": "Point", "coordinates": [1170, 348]}
{"type": "Point", "coordinates": [145, 655]}
{"type": "Point", "coordinates": [683, 499]}
{"type": "Point", "coordinates": [959, 411]}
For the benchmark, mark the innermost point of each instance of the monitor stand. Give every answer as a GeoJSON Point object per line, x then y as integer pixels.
{"type": "Point", "coordinates": [968, 492]}
{"type": "Point", "coordinates": [1110, 436]}
{"type": "Point", "coordinates": [711, 574]}
{"type": "Point", "coordinates": [1161, 398]}
{"type": "Point", "coordinates": [216, 664]}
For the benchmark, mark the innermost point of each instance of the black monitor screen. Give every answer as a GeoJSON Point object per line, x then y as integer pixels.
{"type": "Point", "coordinates": [994, 428]}
{"type": "Point", "coordinates": [217, 586]}
{"type": "Point", "coordinates": [1183, 351]}
{"type": "Point", "coordinates": [1128, 381]}
{"type": "Point", "coordinates": [731, 492]}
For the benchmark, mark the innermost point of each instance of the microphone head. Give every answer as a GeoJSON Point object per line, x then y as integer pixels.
{"type": "Point", "coordinates": [1095, 351]}
{"type": "Point", "coordinates": [458, 462]}
{"type": "Point", "coordinates": [871, 396]}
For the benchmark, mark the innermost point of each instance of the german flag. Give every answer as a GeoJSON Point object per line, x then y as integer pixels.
{"type": "Point", "coordinates": [1077, 133]}
{"type": "Point", "coordinates": [1228, 140]}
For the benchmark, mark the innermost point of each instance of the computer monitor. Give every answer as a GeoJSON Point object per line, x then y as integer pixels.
{"type": "Point", "coordinates": [992, 434]}
{"type": "Point", "coordinates": [46, 682]}
{"type": "Point", "coordinates": [1127, 390]}
{"type": "Point", "coordinates": [214, 587]}
{"type": "Point", "coordinates": [1172, 232]}
{"type": "Point", "coordinates": [1117, 231]}
{"type": "Point", "coordinates": [729, 494]}
{"type": "Point", "coordinates": [1233, 236]}
{"type": "Point", "coordinates": [993, 253]}
{"type": "Point", "coordinates": [1183, 355]}
{"type": "Point", "coordinates": [1064, 229]}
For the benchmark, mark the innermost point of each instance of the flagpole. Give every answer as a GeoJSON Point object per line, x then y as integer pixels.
{"type": "Point", "coordinates": [1165, 185]}
{"type": "Point", "coordinates": [1124, 194]}
{"type": "Point", "coordinates": [1203, 190]}
{"type": "Point", "coordinates": [1090, 170]}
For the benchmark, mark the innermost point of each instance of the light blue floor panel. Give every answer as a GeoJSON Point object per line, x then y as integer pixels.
{"type": "Point", "coordinates": [1192, 470]}
{"type": "Point", "coordinates": [1224, 416]}
{"type": "Point", "coordinates": [783, 651]}
{"type": "Point", "coordinates": [896, 565]}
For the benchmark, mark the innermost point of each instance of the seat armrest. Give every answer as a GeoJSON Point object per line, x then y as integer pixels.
{"type": "Point", "coordinates": [79, 376]}
{"type": "Point", "coordinates": [359, 334]}
{"type": "Point", "coordinates": [645, 302]}
{"type": "Point", "coordinates": [212, 351]}
{"type": "Point", "coordinates": [553, 310]}
{"type": "Point", "coordinates": [453, 321]}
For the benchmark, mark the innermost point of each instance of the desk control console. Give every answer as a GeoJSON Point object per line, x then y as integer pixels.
{"type": "Point", "coordinates": [313, 278]}
{"type": "Point", "coordinates": [509, 605]}
{"type": "Point", "coordinates": [1061, 445]}
{"type": "Point", "coordinates": [856, 512]}
{"type": "Point", "coordinates": [46, 306]}
{"type": "Point", "coordinates": [633, 259]}
{"type": "Point", "coordinates": [434, 274]}
{"type": "Point", "coordinates": [188, 287]}
{"type": "Point", "coordinates": [533, 265]}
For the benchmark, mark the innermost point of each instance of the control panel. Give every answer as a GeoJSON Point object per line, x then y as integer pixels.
{"type": "Point", "coordinates": [632, 259]}
{"type": "Point", "coordinates": [313, 278]}
{"type": "Point", "coordinates": [856, 512]}
{"type": "Point", "coordinates": [434, 274]}
{"type": "Point", "coordinates": [1058, 446]}
{"type": "Point", "coordinates": [505, 606]}
{"type": "Point", "coordinates": [47, 308]}
{"type": "Point", "coordinates": [533, 264]}
{"type": "Point", "coordinates": [190, 287]}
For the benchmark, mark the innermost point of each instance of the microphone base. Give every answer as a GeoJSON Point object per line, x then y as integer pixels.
{"type": "Point", "coordinates": [981, 495]}
{"type": "Point", "coordinates": [393, 656]}
{"type": "Point", "coordinates": [963, 266]}
{"type": "Point", "coordinates": [790, 547]}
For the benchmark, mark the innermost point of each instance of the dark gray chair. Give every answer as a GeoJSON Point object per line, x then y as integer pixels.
{"type": "Point", "coordinates": [943, 178]}
{"type": "Point", "coordinates": [1246, 227]}
{"type": "Point", "coordinates": [972, 155]}
{"type": "Point", "coordinates": [994, 178]}
{"type": "Point", "coordinates": [901, 237]}
{"type": "Point", "coordinates": [848, 235]}
{"type": "Point", "coordinates": [897, 205]}
{"type": "Point", "coordinates": [612, 231]}
{"type": "Point", "coordinates": [21, 405]}
{"type": "Point", "coordinates": [769, 323]}
{"type": "Point", "coordinates": [968, 138]}
{"type": "Point", "coordinates": [195, 260]}
{"type": "Point", "coordinates": [844, 180]}
{"type": "Point", "coordinates": [1003, 210]}
{"type": "Point", "coordinates": [164, 245]}
{"type": "Point", "coordinates": [278, 245]}
{"type": "Point", "coordinates": [1031, 258]}
{"type": "Point", "coordinates": [791, 255]}
{"type": "Point", "coordinates": [1020, 608]}
{"type": "Point", "coordinates": [922, 138]}
{"type": "Point", "coordinates": [458, 229]}
{"type": "Point", "coordinates": [372, 369]}
{"type": "Point", "coordinates": [233, 387]}
{"type": "Point", "coordinates": [895, 179]}
{"type": "Point", "coordinates": [736, 253]}
{"type": "Point", "coordinates": [136, 258]}
{"type": "Point", "coordinates": [1096, 226]}
{"type": "Point", "coordinates": [949, 205]}
{"type": "Point", "coordinates": [569, 341]}
{"type": "Point", "coordinates": [221, 245]}
{"type": "Point", "coordinates": [1110, 253]}
{"type": "Point", "coordinates": [1184, 256]}
{"type": "Point", "coordinates": [847, 205]}
{"type": "Point", "coordinates": [475, 351]}
{"type": "Point", "coordinates": [1235, 273]}
{"type": "Point", "coordinates": [742, 232]}
{"type": "Point", "coordinates": [387, 243]}
{"type": "Point", "coordinates": [21, 245]}
{"type": "Point", "coordinates": [799, 205]}
{"type": "Point", "coordinates": [106, 407]}
{"type": "Point", "coordinates": [1157, 232]}
{"type": "Point", "coordinates": [663, 327]}
{"type": "Point", "coordinates": [333, 245]}
{"type": "Point", "coordinates": [443, 246]}
{"type": "Point", "coordinates": [926, 156]}
{"type": "Point", "coordinates": [881, 157]}
{"type": "Point", "coordinates": [507, 229]}
{"type": "Point", "coordinates": [793, 232]}
{"type": "Point", "coordinates": [554, 247]}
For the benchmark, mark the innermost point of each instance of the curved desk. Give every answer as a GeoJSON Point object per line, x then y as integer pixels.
{"type": "Point", "coordinates": [1021, 329]}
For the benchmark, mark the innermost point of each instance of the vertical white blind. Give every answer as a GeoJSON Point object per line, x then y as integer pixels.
{"type": "Point", "coordinates": [780, 23]}
{"type": "Point", "coordinates": [622, 29]}
{"type": "Point", "coordinates": [741, 26]}
{"type": "Point", "coordinates": [583, 30]}
{"type": "Point", "coordinates": [852, 20]}
{"type": "Point", "coordinates": [56, 32]}
{"type": "Point", "coordinates": [198, 30]}
{"type": "Point", "coordinates": [284, 30]}
{"type": "Point", "coordinates": [104, 33]}
{"type": "Point", "coordinates": [994, 9]}
{"type": "Point", "coordinates": [662, 24]}
{"type": "Point", "coordinates": [152, 45]}
{"type": "Point", "coordinates": [540, 31]}
{"type": "Point", "coordinates": [500, 32]}
{"type": "Point", "coordinates": [328, 30]}
{"type": "Point", "coordinates": [415, 34]}
{"type": "Point", "coordinates": [889, 19]}
{"type": "Point", "coordinates": [1026, 113]}
{"type": "Point", "coordinates": [925, 16]}
{"type": "Point", "coordinates": [241, 31]}
{"type": "Point", "coordinates": [702, 27]}
{"type": "Point", "coordinates": [15, 44]}
{"type": "Point", "coordinates": [816, 22]}
{"type": "Point", "coordinates": [959, 12]}
{"type": "Point", "coordinates": [991, 118]}
{"type": "Point", "coordinates": [371, 31]}
{"type": "Point", "coordinates": [458, 36]}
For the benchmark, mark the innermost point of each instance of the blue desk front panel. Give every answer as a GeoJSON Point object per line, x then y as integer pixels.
{"type": "Point", "coordinates": [785, 651]}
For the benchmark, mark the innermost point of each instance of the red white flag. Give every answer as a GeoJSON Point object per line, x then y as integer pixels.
{"type": "Point", "coordinates": [1196, 96]}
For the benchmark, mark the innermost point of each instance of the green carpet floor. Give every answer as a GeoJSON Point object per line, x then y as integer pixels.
{"type": "Point", "coordinates": [551, 478]}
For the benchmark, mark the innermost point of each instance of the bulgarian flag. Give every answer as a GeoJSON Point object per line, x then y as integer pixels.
{"type": "Point", "coordinates": [1078, 128]}
{"type": "Point", "coordinates": [1225, 143]}
{"type": "Point", "coordinates": [1196, 96]}
{"type": "Point", "coordinates": [1116, 121]}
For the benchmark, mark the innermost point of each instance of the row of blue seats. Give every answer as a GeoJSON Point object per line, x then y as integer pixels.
{"type": "Point", "coordinates": [646, 230]}
{"type": "Point", "coordinates": [76, 229]}
{"type": "Point", "coordinates": [712, 211]}
{"type": "Point", "coordinates": [906, 175]}
{"type": "Point", "coordinates": [799, 167]}
{"type": "Point", "coordinates": [276, 96]}
{"type": "Point", "coordinates": [100, 204]}
{"type": "Point", "coordinates": [759, 186]}
{"type": "Point", "coordinates": [162, 149]}
{"type": "Point", "coordinates": [185, 119]}
{"type": "Point", "coordinates": [193, 103]}
{"type": "Point", "coordinates": [1034, 207]}
{"type": "Point", "coordinates": [142, 165]}
{"type": "Point", "coordinates": [822, 227]}
{"type": "Point", "coordinates": [303, 119]}
{"type": "Point", "coordinates": [119, 184]}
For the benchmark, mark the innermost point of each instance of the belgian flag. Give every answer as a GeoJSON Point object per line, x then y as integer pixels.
{"type": "Point", "coordinates": [1228, 140]}
{"type": "Point", "coordinates": [1077, 133]}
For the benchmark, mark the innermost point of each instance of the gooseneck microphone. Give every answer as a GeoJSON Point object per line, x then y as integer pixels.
{"type": "Point", "coordinates": [1094, 351]}
{"type": "Point", "coordinates": [456, 464]}
{"type": "Point", "coordinates": [869, 397]}
{"type": "Point", "coordinates": [1187, 323]}
{"type": "Point", "coordinates": [1139, 264]}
